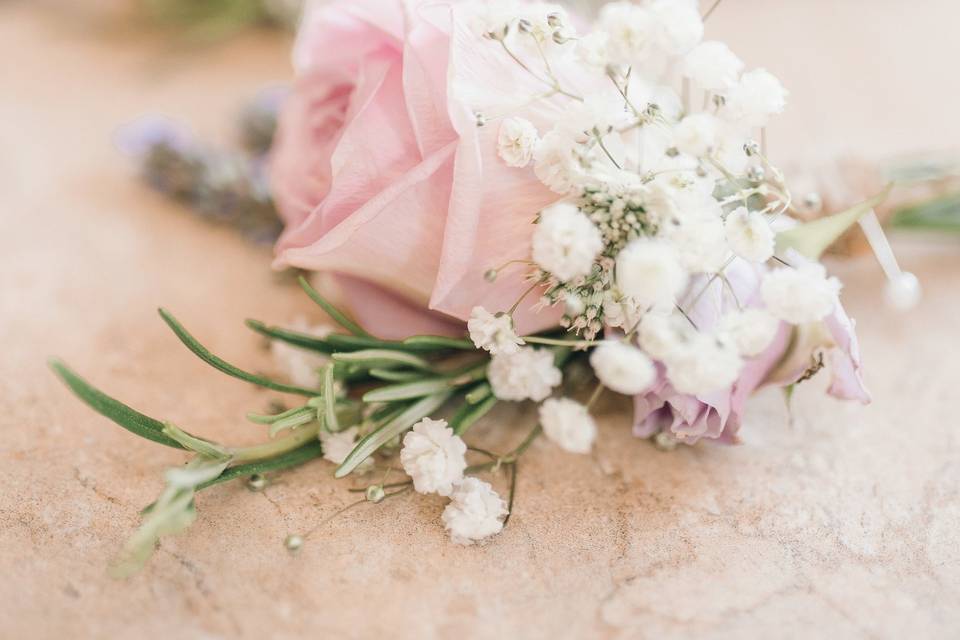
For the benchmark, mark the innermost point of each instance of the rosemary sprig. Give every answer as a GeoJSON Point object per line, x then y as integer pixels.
{"type": "Point", "coordinates": [411, 379]}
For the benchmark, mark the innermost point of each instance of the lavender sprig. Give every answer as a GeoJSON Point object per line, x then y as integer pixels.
{"type": "Point", "coordinates": [220, 186]}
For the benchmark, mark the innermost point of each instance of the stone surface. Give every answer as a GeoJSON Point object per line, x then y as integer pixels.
{"type": "Point", "coordinates": [842, 522]}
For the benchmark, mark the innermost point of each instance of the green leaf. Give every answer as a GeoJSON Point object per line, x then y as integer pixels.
{"type": "Point", "coordinates": [479, 393]}
{"type": "Point", "coordinates": [128, 418]}
{"type": "Point", "coordinates": [471, 372]}
{"type": "Point", "coordinates": [561, 355]}
{"type": "Point", "coordinates": [439, 342]}
{"type": "Point", "coordinates": [189, 477]}
{"type": "Point", "coordinates": [304, 416]}
{"type": "Point", "coordinates": [338, 316]}
{"type": "Point", "coordinates": [329, 400]}
{"type": "Point", "coordinates": [222, 365]}
{"type": "Point", "coordinates": [383, 359]}
{"type": "Point", "coordinates": [346, 372]}
{"type": "Point", "coordinates": [392, 375]}
{"type": "Point", "coordinates": [295, 338]}
{"type": "Point", "coordinates": [468, 414]}
{"type": "Point", "coordinates": [407, 390]}
{"type": "Point", "coordinates": [385, 413]}
{"type": "Point", "coordinates": [343, 342]}
{"type": "Point", "coordinates": [307, 452]}
{"type": "Point", "coordinates": [941, 213]}
{"type": "Point", "coordinates": [376, 439]}
{"type": "Point", "coordinates": [174, 510]}
{"type": "Point", "coordinates": [788, 392]}
{"type": "Point", "coordinates": [812, 238]}
{"type": "Point", "coordinates": [172, 513]}
{"type": "Point", "coordinates": [257, 418]}
{"type": "Point", "coordinates": [193, 443]}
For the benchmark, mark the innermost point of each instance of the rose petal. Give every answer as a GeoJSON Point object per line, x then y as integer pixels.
{"type": "Point", "coordinates": [387, 315]}
{"type": "Point", "coordinates": [846, 381]}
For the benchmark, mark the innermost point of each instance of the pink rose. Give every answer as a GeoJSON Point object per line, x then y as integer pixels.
{"type": "Point", "coordinates": [383, 175]}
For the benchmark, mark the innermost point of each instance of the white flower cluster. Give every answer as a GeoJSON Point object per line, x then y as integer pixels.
{"type": "Point", "coordinates": [475, 512]}
{"type": "Point", "coordinates": [569, 424]}
{"type": "Point", "coordinates": [517, 140]}
{"type": "Point", "coordinates": [528, 374]}
{"type": "Point", "coordinates": [656, 200]}
{"type": "Point", "coordinates": [565, 242]}
{"type": "Point", "coordinates": [493, 333]}
{"type": "Point", "coordinates": [435, 459]}
{"type": "Point", "coordinates": [622, 367]}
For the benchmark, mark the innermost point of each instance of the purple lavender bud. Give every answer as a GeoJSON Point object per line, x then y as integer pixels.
{"type": "Point", "coordinates": [138, 137]}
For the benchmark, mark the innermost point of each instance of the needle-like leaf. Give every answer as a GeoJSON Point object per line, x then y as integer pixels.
{"type": "Point", "coordinates": [468, 414]}
{"type": "Point", "coordinates": [942, 213]}
{"type": "Point", "coordinates": [376, 439]}
{"type": "Point", "coordinates": [407, 390]}
{"type": "Point", "coordinates": [295, 338]}
{"type": "Point", "coordinates": [343, 342]}
{"type": "Point", "coordinates": [338, 316]}
{"type": "Point", "coordinates": [383, 359]}
{"type": "Point", "coordinates": [439, 342]}
{"type": "Point", "coordinates": [222, 365]}
{"type": "Point", "coordinates": [128, 418]}
{"type": "Point", "coordinates": [193, 443]}
{"type": "Point", "coordinates": [329, 400]}
{"type": "Point", "coordinates": [392, 375]}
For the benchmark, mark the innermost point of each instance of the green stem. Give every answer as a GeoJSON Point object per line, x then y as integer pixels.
{"type": "Point", "coordinates": [524, 295]}
{"type": "Point", "coordinates": [513, 493]}
{"type": "Point", "coordinates": [710, 11]}
{"type": "Point", "coordinates": [293, 458]}
{"type": "Point", "coordinates": [559, 342]}
{"type": "Point", "coordinates": [510, 458]}
{"type": "Point", "coordinates": [388, 485]}
{"type": "Point", "coordinates": [278, 447]}
{"type": "Point", "coordinates": [606, 151]}
{"type": "Point", "coordinates": [595, 395]}
{"type": "Point", "coordinates": [489, 454]}
{"type": "Point", "coordinates": [516, 453]}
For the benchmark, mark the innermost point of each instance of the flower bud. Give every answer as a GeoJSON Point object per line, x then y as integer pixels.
{"type": "Point", "coordinates": [293, 543]}
{"type": "Point", "coordinates": [574, 304]}
{"type": "Point", "coordinates": [256, 482]}
{"type": "Point", "coordinates": [755, 173]}
{"type": "Point", "coordinates": [665, 441]}
{"type": "Point", "coordinates": [811, 202]}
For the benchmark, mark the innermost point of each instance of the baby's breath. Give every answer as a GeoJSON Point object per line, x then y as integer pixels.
{"type": "Point", "coordinates": [620, 216]}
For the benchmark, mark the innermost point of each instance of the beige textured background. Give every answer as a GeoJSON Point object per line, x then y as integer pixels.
{"type": "Point", "coordinates": [843, 524]}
